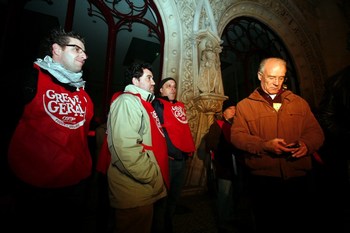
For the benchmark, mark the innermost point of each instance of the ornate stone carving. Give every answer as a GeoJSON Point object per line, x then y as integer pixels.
{"type": "Point", "coordinates": [210, 79]}
{"type": "Point", "coordinates": [207, 105]}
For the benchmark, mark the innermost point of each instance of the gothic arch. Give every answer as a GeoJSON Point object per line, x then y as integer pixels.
{"type": "Point", "coordinates": [285, 20]}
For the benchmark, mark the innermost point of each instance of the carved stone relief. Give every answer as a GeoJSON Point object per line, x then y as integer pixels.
{"type": "Point", "coordinates": [287, 21]}
{"type": "Point", "coordinates": [209, 77]}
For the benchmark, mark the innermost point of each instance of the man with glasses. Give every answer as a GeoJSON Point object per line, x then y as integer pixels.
{"type": "Point", "coordinates": [48, 153]}
{"type": "Point", "coordinates": [278, 133]}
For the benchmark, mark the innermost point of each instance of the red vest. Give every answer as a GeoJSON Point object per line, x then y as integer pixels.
{"type": "Point", "coordinates": [49, 147]}
{"type": "Point", "coordinates": [158, 139]}
{"type": "Point", "coordinates": [176, 124]}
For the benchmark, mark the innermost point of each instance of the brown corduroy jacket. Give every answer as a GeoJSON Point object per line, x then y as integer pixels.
{"type": "Point", "coordinates": [256, 122]}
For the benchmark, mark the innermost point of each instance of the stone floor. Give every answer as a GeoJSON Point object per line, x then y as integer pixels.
{"type": "Point", "coordinates": [196, 214]}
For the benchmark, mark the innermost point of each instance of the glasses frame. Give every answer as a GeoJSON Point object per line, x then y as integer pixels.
{"type": "Point", "coordinates": [78, 49]}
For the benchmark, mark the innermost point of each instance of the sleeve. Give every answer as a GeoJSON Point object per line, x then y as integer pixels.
{"type": "Point", "coordinates": [212, 137]}
{"type": "Point", "coordinates": [312, 134]}
{"type": "Point", "coordinates": [241, 136]}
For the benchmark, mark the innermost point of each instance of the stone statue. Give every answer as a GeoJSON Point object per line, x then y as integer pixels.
{"type": "Point", "coordinates": [209, 70]}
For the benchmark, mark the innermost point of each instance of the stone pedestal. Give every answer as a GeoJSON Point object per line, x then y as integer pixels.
{"type": "Point", "coordinates": [207, 104]}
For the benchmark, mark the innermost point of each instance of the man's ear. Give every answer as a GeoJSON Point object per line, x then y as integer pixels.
{"type": "Point", "coordinates": [56, 49]}
{"type": "Point", "coordinates": [135, 81]}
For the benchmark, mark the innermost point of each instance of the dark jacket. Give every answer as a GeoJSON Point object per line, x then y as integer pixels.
{"type": "Point", "coordinates": [217, 141]}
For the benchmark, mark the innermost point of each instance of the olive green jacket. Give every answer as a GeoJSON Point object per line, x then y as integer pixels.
{"type": "Point", "coordinates": [137, 180]}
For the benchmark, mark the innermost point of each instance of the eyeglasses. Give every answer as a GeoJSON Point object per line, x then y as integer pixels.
{"type": "Point", "coordinates": [274, 78]}
{"type": "Point", "coordinates": [78, 49]}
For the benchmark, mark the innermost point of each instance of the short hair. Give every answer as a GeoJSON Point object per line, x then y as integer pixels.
{"type": "Point", "coordinates": [135, 70]}
{"type": "Point", "coordinates": [263, 62]}
{"type": "Point", "coordinates": [60, 37]}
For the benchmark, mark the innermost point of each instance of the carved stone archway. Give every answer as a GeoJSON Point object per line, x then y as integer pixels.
{"type": "Point", "coordinates": [283, 18]}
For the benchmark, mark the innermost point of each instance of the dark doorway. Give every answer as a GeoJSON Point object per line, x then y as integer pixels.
{"type": "Point", "coordinates": [246, 41]}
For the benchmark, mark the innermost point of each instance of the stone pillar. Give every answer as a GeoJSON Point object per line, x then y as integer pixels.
{"type": "Point", "coordinates": [207, 104]}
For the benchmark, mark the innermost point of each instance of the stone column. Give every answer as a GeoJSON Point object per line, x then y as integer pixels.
{"type": "Point", "coordinates": [207, 104]}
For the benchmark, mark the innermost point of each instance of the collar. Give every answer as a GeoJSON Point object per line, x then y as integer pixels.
{"type": "Point", "coordinates": [145, 95]}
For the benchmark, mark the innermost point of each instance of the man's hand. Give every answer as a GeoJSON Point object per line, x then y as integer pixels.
{"type": "Point", "coordinates": [299, 151]}
{"type": "Point", "coordinates": [279, 146]}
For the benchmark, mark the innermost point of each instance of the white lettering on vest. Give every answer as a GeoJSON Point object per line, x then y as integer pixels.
{"type": "Point", "coordinates": [64, 109]}
{"type": "Point", "coordinates": [179, 114]}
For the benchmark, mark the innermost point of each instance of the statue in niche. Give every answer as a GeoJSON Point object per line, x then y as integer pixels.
{"type": "Point", "coordinates": [209, 70]}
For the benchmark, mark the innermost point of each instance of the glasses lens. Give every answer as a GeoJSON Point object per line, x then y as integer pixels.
{"type": "Point", "coordinates": [78, 49]}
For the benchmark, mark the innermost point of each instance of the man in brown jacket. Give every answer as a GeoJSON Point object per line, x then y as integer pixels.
{"type": "Point", "coordinates": [279, 133]}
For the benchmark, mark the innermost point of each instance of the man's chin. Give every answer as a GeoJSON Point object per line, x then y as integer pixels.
{"type": "Point", "coordinates": [274, 92]}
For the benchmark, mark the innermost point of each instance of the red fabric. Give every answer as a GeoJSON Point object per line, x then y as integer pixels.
{"type": "Point", "coordinates": [50, 146]}
{"type": "Point", "coordinates": [104, 157]}
{"type": "Point", "coordinates": [159, 146]}
{"type": "Point", "coordinates": [318, 158]}
{"type": "Point", "coordinates": [220, 123]}
{"type": "Point", "coordinates": [176, 124]}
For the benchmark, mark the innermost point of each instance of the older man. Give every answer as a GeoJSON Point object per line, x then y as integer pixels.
{"type": "Point", "coordinates": [278, 133]}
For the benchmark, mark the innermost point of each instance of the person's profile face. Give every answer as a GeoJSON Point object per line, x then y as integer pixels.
{"type": "Point", "coordinates": [146, 81]}
{"type": "Point", "coordinates": [71, 56]}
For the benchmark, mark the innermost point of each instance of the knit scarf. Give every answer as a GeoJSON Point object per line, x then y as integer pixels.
{"type": "Point", "coordinates": [60, 73]}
